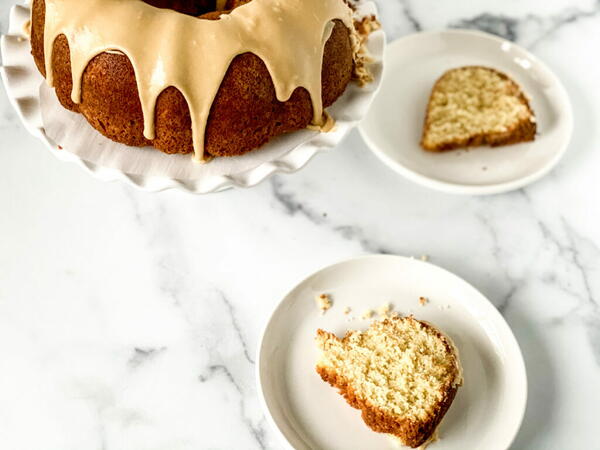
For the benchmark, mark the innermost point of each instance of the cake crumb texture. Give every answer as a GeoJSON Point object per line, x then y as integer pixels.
{"type": "Point", "coordinates": [473, 106]}
{"type": "Point", "coordinates": [402, 373]}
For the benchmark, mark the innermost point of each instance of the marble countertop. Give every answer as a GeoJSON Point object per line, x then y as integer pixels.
{"type": "Point", "coordinates": [130, 320]}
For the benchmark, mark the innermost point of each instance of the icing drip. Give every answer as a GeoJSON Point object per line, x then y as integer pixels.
{"type": "Point", "coordinates": [167, 48]}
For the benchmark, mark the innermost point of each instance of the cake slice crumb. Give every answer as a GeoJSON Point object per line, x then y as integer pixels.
{"type": "Point", "coordinates": [323, 302]}
{"type": "Point", "coordinates": [364, 27]}
{"type": "Point", "coordinates": [384, 310]}
{"type": "Point", "coordinates": [347, 310]}
{"type": "Point", "coordinates": [423, 301]}
{"type": "Point", "coordinates": [367, 314]}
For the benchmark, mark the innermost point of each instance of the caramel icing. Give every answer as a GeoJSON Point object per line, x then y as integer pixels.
{"type": "Point", "coordinates": [167, 48]}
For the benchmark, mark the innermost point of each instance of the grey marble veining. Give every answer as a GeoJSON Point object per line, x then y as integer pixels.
{"type": "Point", "coordinates": [131, 320]}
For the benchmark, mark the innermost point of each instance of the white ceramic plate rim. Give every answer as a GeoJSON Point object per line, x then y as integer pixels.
{"type": "Point", "coordinates": [520, 386]}
{"type": "Point", "coordinates": [289, 162]}
{"type": "Point", "coordinates": [467, 189]}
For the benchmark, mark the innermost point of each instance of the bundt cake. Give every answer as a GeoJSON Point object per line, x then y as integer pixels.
{"type": "Point", "coordinates": [212, 77]}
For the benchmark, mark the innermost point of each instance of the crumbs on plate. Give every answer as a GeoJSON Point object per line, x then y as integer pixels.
{"type": "Point", "coordinates": [323, 302]}
{"type": "Point", "coordinates": [367, 314]}
{"type": "Point", "coordinates": [384, 310]}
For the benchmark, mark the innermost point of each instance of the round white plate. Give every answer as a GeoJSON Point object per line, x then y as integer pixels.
{"type": "Point", "coordinates": [393, 126]}
{"type": "Point", "coordinates": [147, 168]}
{"type": "Point", "coordinates": [309, 414]}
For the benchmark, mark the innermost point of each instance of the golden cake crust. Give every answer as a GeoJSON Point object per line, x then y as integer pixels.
{"type": "Point", "coordinates": [245, 113]}
{"type": "Point", "coordinates": [412, 433]}
{"type": "Point", "coordinates": [522, 131]}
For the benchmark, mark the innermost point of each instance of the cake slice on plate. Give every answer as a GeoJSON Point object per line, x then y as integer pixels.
{"type": "Point", "coordinates": [473, 106]}
{"type": "Point", "coordinates": [401, 372]}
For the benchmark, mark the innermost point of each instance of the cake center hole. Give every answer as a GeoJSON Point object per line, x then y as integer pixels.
{"type": "Point", "coordinates": [190, 7]}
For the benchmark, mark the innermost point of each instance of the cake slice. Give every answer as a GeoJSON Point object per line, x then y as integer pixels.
{"type": "Point", "coordinates": [473, 106]}
{"type": "Point", "coordinates": [402, 373]}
